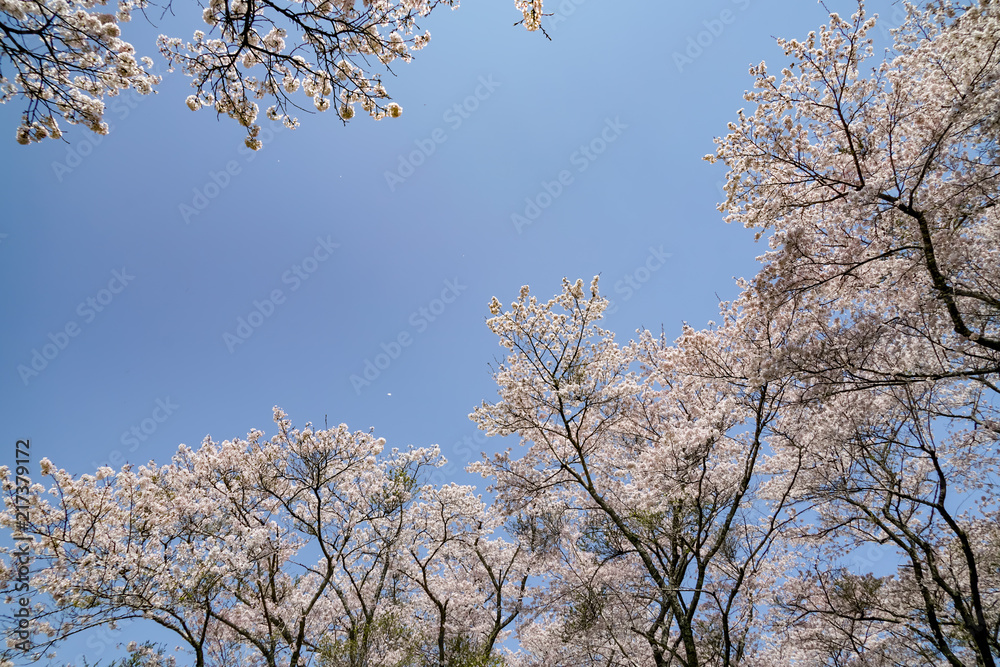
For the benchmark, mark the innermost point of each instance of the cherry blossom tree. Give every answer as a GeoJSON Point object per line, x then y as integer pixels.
{"type": "Point", "coordinates": [880, 189]}
{"type": "Point", "coordinates": [64, 57]}
{"type": "Point", "coordinates": [313, 548]}
{"type": "Point", "coordinates": [644, 493]}
{"type": "Point", "coordinates": [878, 185]}
{"type": "Point", "coordinates": [889, 471]}
{"type": "Point", "coordinates": [473, 587]}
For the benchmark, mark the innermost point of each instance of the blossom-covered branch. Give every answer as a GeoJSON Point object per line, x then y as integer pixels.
{"type": "Point", "coordinates": [64, 57]}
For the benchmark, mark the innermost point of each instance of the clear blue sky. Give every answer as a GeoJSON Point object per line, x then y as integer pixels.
{"type": "Point", "coordinates": [97, 236]}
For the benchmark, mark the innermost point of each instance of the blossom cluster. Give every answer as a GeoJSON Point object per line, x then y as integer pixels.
{"type": "Point", "coordinates": [249, 55]}
{"type": "Point", "coordinates": [68, 56]}
{"type": "Point", "coordinates": [532, 11]}
{"type": "Point", "coordinates": [246, 56]}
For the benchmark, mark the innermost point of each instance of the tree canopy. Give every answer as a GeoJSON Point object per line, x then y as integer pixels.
{"type": "Point", "coordinates": [699, 502]}
{"type": "Point", "coordinates": [63, 58]}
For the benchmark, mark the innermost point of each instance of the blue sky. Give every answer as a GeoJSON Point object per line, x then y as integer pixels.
{"type": "Point", "coordinates": [153, 243]}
